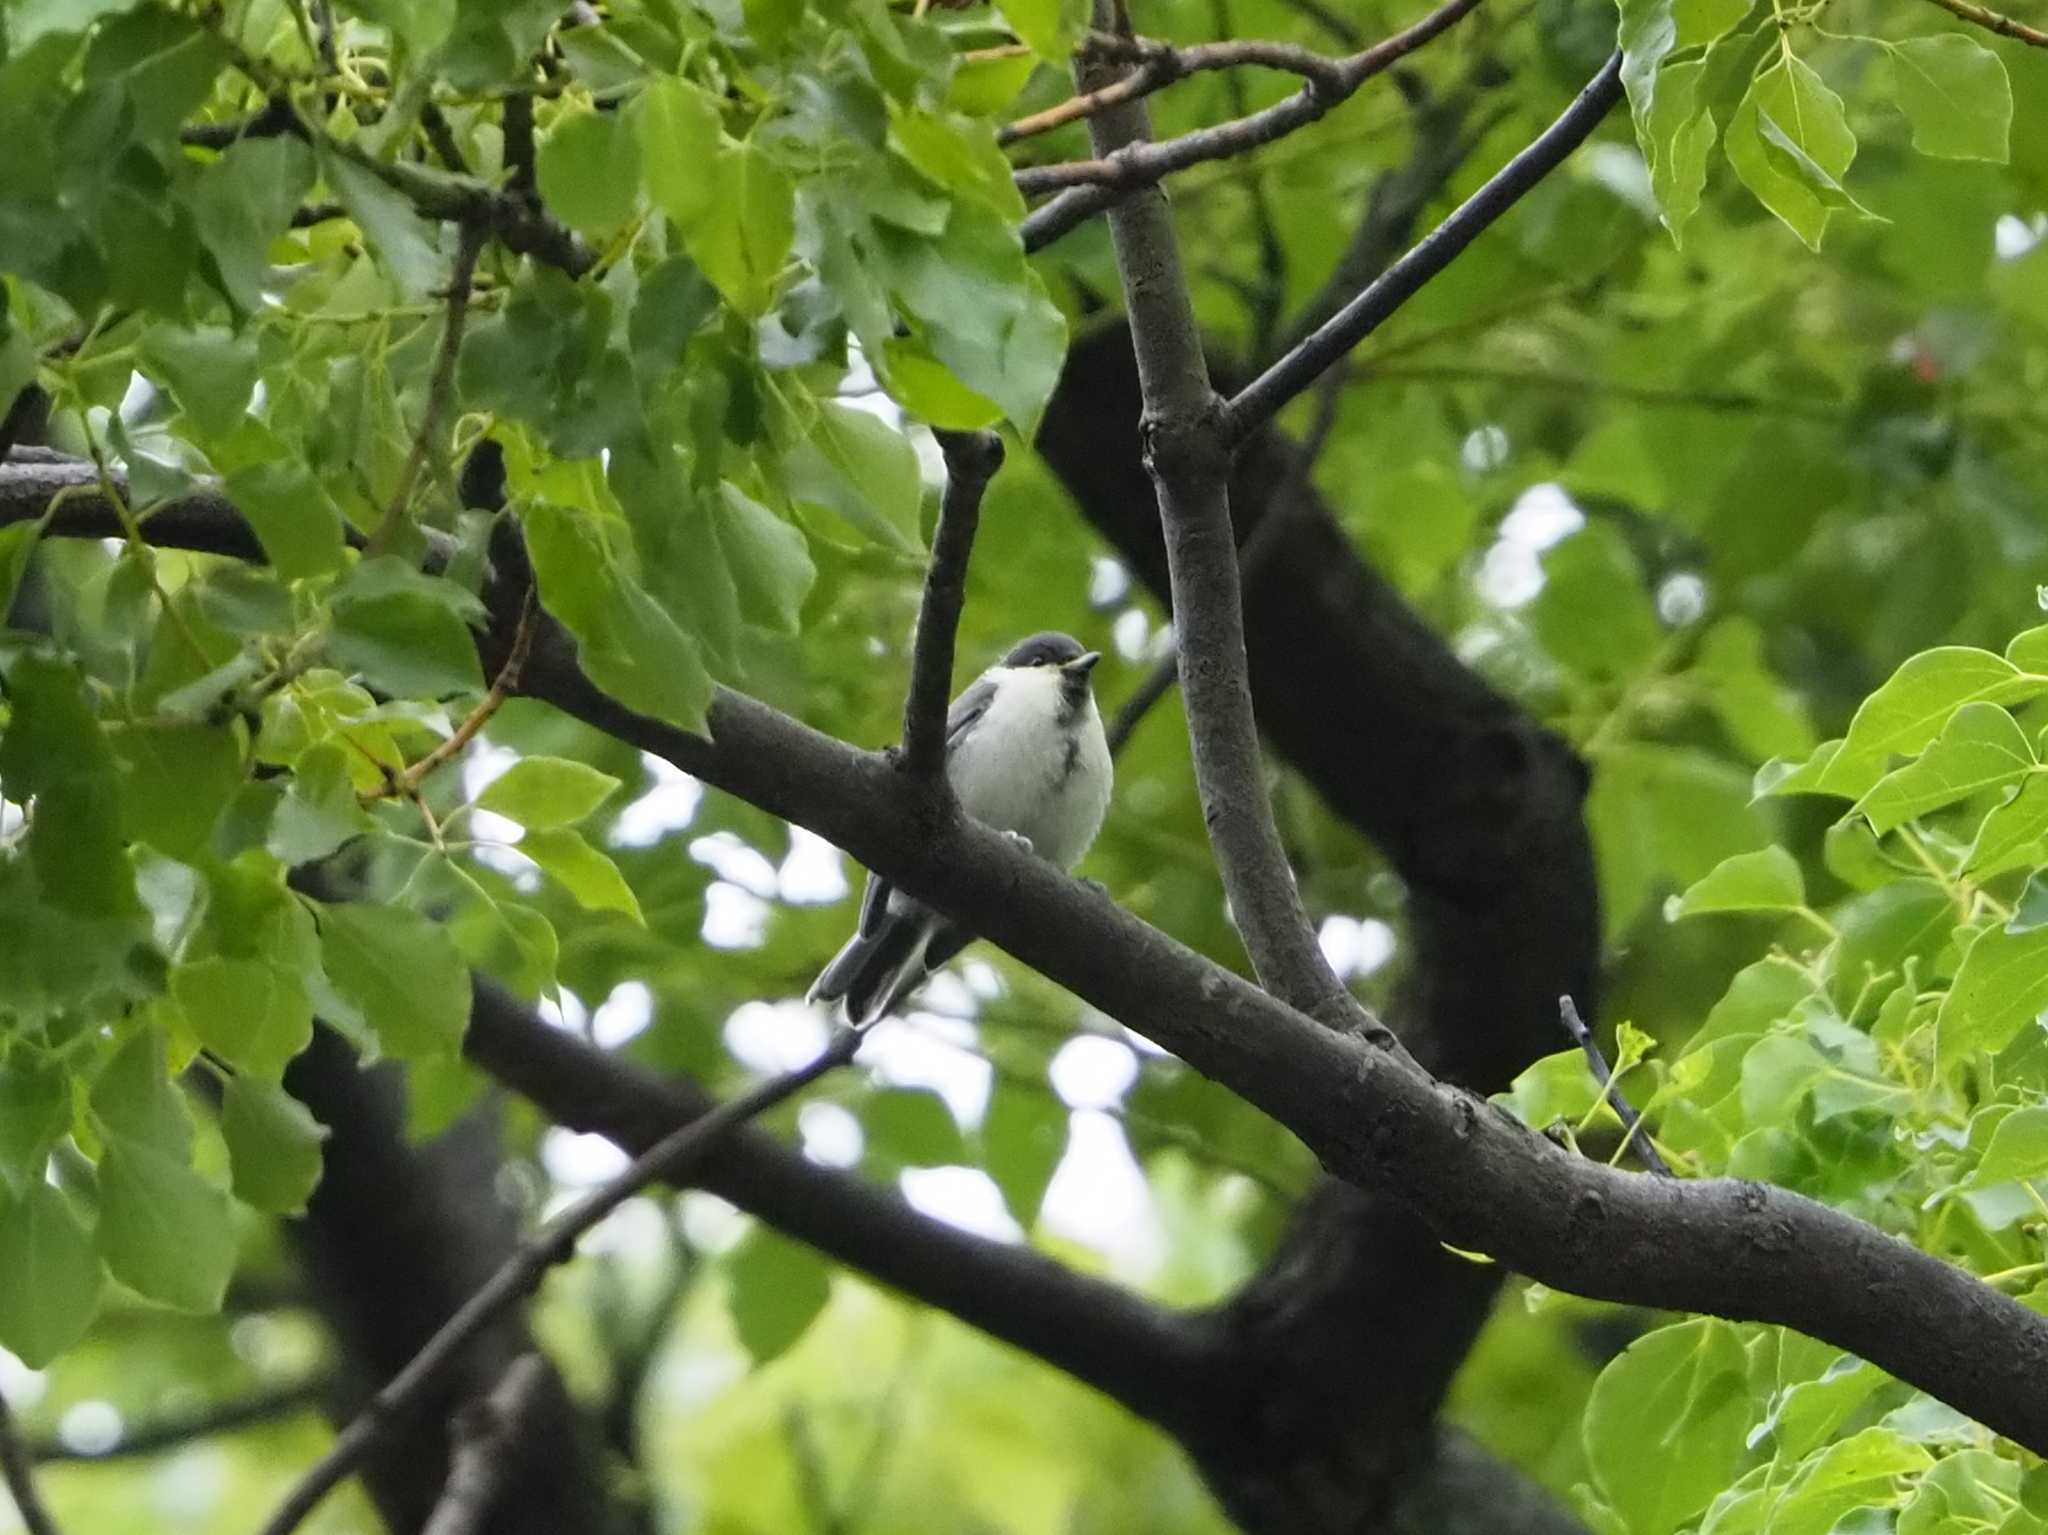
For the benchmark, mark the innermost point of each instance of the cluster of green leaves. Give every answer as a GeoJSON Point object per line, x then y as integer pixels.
{"type": "Point", "coordinates": [1727, 70]}
{"type": "Point", "coordinates": [766, 207]}
{"type": "Point", "coordinates": [1886, 1056]}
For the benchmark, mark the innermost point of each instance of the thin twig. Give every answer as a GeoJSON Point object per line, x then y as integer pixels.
{"type": "Point", "coordinates": [486, 1436]}
{"type": "Point", "coordinates": [1299, 367]}
{"type": "Point", "coordinates": [669, 1159]}
{"type": "Point", "coordinates": [265, 1405]}
{"type": "Point", "coordinates": [1574, 1025]}
{"type": "Point", "coordinates": [406, 784]}
{"type": "Point", "coordinates": [517, 126]}
{"type": "Point", "coordinates": [440, 389]}
{"type": "Point", "coordinates": [442, 137]}
{"type": "Point", "coordinates": [20, 1476]}
{"type": "Point", "coordinates": [1327, 84]}
{"type": "Point", "coordinates": [972, 459]}
{"type": "Point", "coordinates": [1994, 21]}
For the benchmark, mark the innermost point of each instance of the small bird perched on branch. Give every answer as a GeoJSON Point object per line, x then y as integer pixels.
{"type": "Point", "coordinates": [1025, 754]}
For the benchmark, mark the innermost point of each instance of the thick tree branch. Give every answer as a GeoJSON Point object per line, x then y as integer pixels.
{"type": "Point", "coordinates": [972, 459]}
{"type": "Point", "coordinates": [521, 1274]}
{"type": "Point", "coordinates": [1260, 400]}
{"type": "Point", "coordinates": [1093, 185]}
{"type": "Point", "coordinates": [20, 1476]}
{"type": "Point", "coordinates": [1188, 456]}
{"type": "Point", "coordinates": [487, 1433]}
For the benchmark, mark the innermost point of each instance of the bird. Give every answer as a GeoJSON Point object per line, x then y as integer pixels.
{"type": "Point", "coordinates": [1025, 755]}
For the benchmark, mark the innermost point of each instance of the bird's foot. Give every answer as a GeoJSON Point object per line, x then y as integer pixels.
{"type": "Point", "coordinates": [1020, 841]}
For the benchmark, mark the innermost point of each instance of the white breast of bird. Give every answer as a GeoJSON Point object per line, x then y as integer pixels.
{"type": "Point", "coordinates": [1022, 769]}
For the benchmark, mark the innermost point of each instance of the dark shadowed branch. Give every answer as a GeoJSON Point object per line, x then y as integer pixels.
{"type": "Point", "coordinates": [1633, 1132]}
{"type": "Point", "coordinates": [1261, 399]}
{"type": "Point", "coordinates": [486, 1438]}
{"type": "Point", "coordinates": [270, 1405]}
{"type": "Point", "coordinates": [972, 459]}
{"type": "Point", "coordinates": [20, 1477]}
{"type": "Point", "coordinates": [519, 1275]}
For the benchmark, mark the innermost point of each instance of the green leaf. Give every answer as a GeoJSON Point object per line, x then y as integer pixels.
{"type": "Point", "coordinates": [1594, 613]}
{"type": "Point", "coordinates": [295, 518]}
{"type": "Point", "coordinates": [680, 134]}
{"type": "Point", "coordinates": [2012, 835]}
{"type": "Point", "coordinates": [857, 465]}
{"type": "Point", "coordinates": [35, 1108]}
{"type": "Point", "coordinates": [1915, 702]}
{"type": "Point", "coordinates": [2018, 1149]}
{"type": "Point", "coordinates": [1049, 27]}
{"type": "Point", "coordinates": [1023, 1137]}
{"type": "Point", "coordinates": [543, 792]}
{"type": "Point", "coordinates": [53, 752]}
{"type": "Point", "coordinates": [769, 559]}
{"type": "Point", "coordinates": [1665, 1424]}
{"type": "Point", "coordinates": [319, 812]}
{"type": "Point", "coordinates": [1981, 747]}
{"type": "Point", "coordinates": [17, 543]}
{"type": "Point", "coordinates": [1852, 1473]}
{"type": "Point", "coordinates": [588, 875]}
{"type": "Point", "coordinates": [406, 644]}
{"type": "Point", "coordinates": [403, 242]}
{"type": "Point", "coordinates": [2000, 989]}
{"type": "Point", "coordinates": [401, 972]}
{"type": "Point", "coordinates": [588, 171]}
{"type": "Point", "coordinates": [253, 1015]}
{"type": "Point", "coordinates": [273, 1145]}
{"type": "Point", "coordinates": [245, 200]}
{"type": "Point", "coordinates": [49, 1275]}
{"type": "Point", "coordinates": [135, 1098]}
{"type": "Point", "coordinates": [176, 781]}
{"type": "Point", "coordinates": [1956, 94]}
{"type": "Point", "coordinates": [774, 1289]}
{"type": "Point", "coordinates": [210, 371]}
{"type": "Point", "coordinates": [628, 643]}
{"type": "Point", "coordinates": [911, 1127]}
{"type": "Point", "coordinates": [1765, 880]}
{"type": "Point", "coordinates": [164, 1231]}
{"type": "Point", "coordinates": [1790, 142]}
{"type": "Point", "coordinates": [734, 205]}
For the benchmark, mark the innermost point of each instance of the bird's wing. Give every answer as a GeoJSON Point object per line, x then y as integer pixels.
{"type": "Point", "coordinates": [874, 905]}
{"type": "Point", "coordinates": [967, 708]}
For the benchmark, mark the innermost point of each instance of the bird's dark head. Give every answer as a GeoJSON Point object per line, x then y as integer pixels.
{"type": "Point", "coordinates": [1052, 649]}
{"type": "Point", "coordinates": [1059, 652]}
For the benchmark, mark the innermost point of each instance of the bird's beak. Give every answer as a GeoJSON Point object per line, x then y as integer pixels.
{"type": "Point", "coordinates": [1083, 665]}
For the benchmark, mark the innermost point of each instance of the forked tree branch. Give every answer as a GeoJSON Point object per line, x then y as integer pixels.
{"type": "Point", "coordinates": [1260, 400]}
{"type": "Point", "coordinates": [1189, 458]}
{"type": "Point", "coordinates": [1093, 185]}
{"type": "Point", "coordinates": [1485, 1183]}
{"type": "Point", "coordinates": [972, 459]}
{"type": "Point", "coordinates": [673, 1157]}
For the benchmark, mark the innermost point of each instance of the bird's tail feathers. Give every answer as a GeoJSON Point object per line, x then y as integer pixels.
{"type": "Point", "coordinates": [871, 974]}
